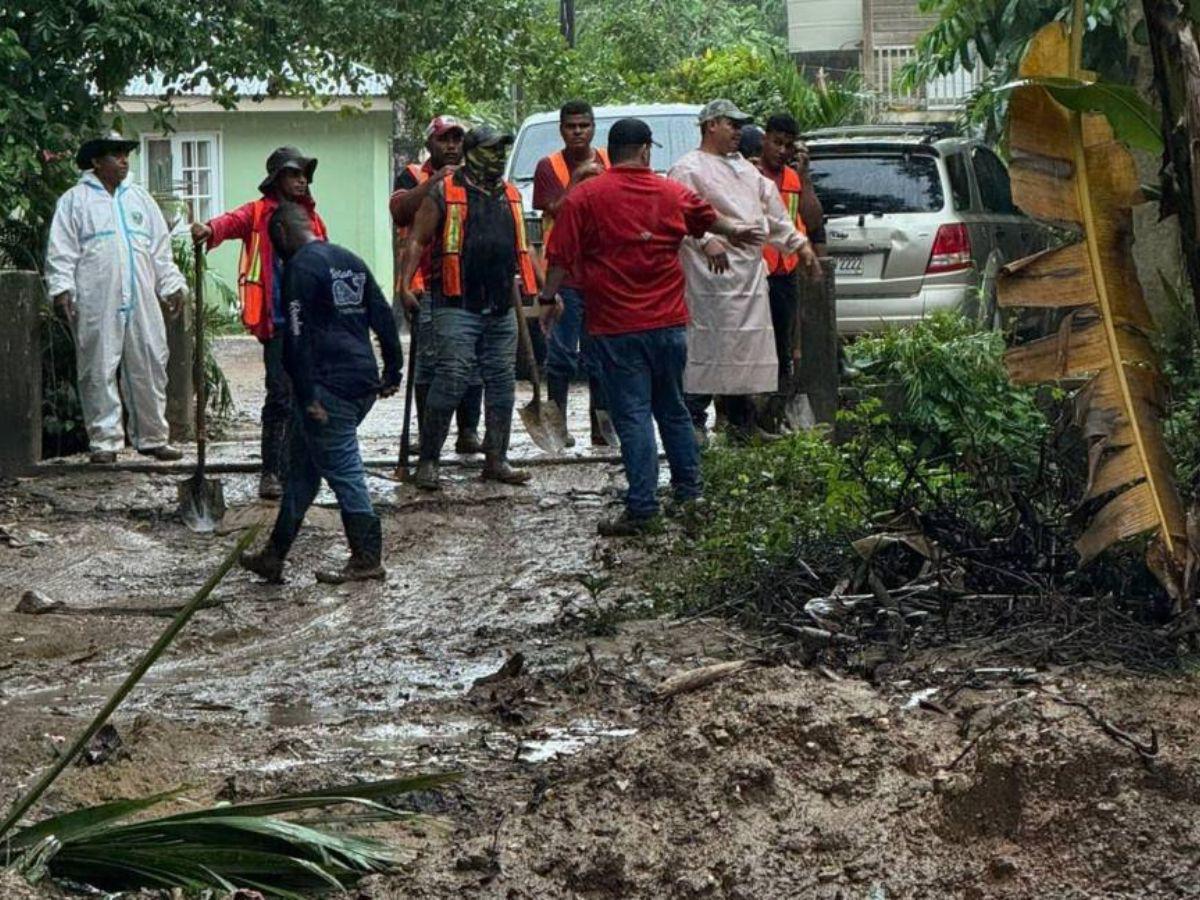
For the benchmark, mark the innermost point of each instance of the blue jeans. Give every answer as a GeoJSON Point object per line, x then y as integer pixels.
{"type": "Point", "coordinates": [471, 344]}
{"type": "Point", "coordinates": [643, 374]}
{"type": "Point", "coordinates": [569, 347]}
{"type": "Point", "coordinates": [323, 451]}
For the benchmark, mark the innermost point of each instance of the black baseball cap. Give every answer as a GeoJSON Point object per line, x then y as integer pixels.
{"type": "Point", "coordinates": [630, 133]}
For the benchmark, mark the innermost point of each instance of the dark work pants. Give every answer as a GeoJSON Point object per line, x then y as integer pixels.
{"type": "Point", "coordinates": [738, 409]}
{"type": "Point", "coordinates": [326, 451]}
{"type": "Point", "coordinates": [277, 408]}
{"type": "Point", "coordinates": [782, 291]}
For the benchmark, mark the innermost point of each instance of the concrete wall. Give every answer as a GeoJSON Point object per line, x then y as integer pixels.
{"type": "Point", "coordinates": [351, 184]}
{"type": "Point", "coordinates": [817, 25]}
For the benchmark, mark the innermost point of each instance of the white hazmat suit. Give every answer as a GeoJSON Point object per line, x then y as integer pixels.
{"type": "Point", "coordinates": [112, 254]}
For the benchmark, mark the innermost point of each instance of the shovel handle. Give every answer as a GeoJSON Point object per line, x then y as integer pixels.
{"type": "Point", "coordinates": [198, 361]}
{"type": "Point", "coordinates": [405, 433]}
{"type": "Point", "coordinates": [526, 343]}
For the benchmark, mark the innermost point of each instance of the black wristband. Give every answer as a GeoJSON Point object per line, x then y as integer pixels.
{"type": "Point", "coordinates": [547, 301]}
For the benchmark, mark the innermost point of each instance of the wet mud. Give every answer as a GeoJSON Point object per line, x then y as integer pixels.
{"type": "Point", "coordinates": [778, 782]}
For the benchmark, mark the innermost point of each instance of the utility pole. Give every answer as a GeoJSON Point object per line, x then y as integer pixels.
{"type": "Point", "coordinates": [566, 20]}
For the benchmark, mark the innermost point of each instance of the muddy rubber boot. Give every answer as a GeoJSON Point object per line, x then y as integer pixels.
{"type": "Point", "coordinates": [558, 389]}
{"type": "Point", "coordinates": [597, 432]}
{"type": "Point", "coordinates": [269, 486]}
{"type": "Point", "coordinates": [364, 533]}
{"type": "Point", "coordinates": [274, 460]}
{"type": "Point", "coordinates": [267, 563]}
{"type": "Point", "coordinates": [435, 427]}
{"type": "Point", "coordinates": [467, 419]}
{"type": "Point", "coordinates": [495, 463]}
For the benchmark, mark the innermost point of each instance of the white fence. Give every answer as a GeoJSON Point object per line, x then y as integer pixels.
{"type": "Point", "coordinates": [946, 92]}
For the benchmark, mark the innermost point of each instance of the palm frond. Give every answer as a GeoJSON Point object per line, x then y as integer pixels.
{"type": "Point", "coordinates": [222, 847]}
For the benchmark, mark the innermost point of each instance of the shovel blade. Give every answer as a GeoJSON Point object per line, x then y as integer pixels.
{"type": "Point", "coordinates": [608, 431]}
{"type": "Point", "coordinates": [201, 504]}
{"type": "Point", "coordinates": [538, 420]}
{"type": "Point", "coordinates": [798, 412]}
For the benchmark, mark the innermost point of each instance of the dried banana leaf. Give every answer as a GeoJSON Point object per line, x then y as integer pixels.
{"type": "Point", "coordinates": [1067, 166]}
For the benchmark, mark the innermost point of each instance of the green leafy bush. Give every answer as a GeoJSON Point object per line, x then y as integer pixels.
{"type": "Point", "coordinates": [937, 437]}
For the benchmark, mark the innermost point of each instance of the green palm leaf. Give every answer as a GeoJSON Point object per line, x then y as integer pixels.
{"type": "Point", "coordinates": [222, 847]}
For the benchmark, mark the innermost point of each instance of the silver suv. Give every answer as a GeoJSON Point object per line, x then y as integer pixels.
{"type": "Point", "coordinates": [917, 220]}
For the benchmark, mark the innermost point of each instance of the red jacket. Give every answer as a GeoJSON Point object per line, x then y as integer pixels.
{"type": "Point", "coordinates": [255, 293]}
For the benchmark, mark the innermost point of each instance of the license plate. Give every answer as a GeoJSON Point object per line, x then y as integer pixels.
{"type": "Point", "coordinates": [849, 265]}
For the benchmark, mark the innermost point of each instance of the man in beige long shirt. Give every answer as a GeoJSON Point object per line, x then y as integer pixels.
{"type": "Point", "coordinates": [731, 344]}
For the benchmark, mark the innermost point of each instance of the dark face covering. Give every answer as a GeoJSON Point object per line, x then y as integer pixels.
{"type": "Point", "coordinates": [485, 165]}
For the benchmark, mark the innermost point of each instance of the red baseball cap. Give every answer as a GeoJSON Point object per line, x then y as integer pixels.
{"type": "Point", "coordinates": [441, 124]}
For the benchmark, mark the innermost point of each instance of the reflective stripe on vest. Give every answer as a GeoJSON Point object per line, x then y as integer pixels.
{"type": "Point", "coordinates": [454, 231]}
{"type": "Point", "coordinates": [255, 314]}
{"type": "Point", "coordinates": [418, 280]}
{"type": "Point", "coordinates": [779, 263]}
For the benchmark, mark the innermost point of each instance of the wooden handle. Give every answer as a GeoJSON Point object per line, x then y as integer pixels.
{"type": "Point", "coordinates": [198, 362]}
{"type": "Point", "coordinates": [523, 338]}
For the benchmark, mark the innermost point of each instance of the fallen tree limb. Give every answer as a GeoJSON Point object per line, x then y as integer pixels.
{"type": "Point", "coordinates": [694, 679]}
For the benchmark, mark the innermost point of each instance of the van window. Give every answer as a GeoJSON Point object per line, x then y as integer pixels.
{"type": "Point", "coordinates": [677, 134]}
{"type": "Point", "coordinates": [863, 183]}
{"type": "Point", "coordinates": [995, 191]}
{"type": "Point", "coordinates": [960, 181]}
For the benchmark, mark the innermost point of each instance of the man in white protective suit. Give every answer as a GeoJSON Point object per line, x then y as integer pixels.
{"type": "Point", "coordinates": [731, 342]}
{"type": "Point", "coordinates": [107, 264]}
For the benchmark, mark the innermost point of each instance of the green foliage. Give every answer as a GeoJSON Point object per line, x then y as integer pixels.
{"type": "Point", "coordinates": [959, 403]}
{"type": "Point", "coordinates": [1132, 118]}
{"type": "Point", "coordinates": [219, 848]}
{"type": "Point", "coordinates": [763, 83]}
{"type": "Point", "coordinates": [1178, 341]}
{"type": "Point", "coordinates": [996, 32]}
{"type": "Point", "coordinates": [63, 64]}
{"type": "Point", "coordinates": [940, 432]}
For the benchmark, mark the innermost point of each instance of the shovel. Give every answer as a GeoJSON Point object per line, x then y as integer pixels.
{"type": "Point", "coordinates": [402, 472]}
{"type": "Point", "coordinates": [543, 421]}
{"type": "Point", "coordinates": [201, 500]}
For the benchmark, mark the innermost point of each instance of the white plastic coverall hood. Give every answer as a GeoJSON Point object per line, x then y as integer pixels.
{"type": "Point", "coordinates": [731, 342]}
{"type": "Point", "coordinates": [112, 253]}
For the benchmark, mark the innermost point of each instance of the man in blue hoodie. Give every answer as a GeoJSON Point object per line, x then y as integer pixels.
{"type": "Point", "coordinates": [333, 305]}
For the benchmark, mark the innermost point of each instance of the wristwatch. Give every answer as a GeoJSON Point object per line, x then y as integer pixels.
{"type": "Point", "coordinates": [547, 301]}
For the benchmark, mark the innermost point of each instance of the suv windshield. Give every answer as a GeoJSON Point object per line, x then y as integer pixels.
{"type": "Point", "coordinates": [677, 133]}
{"type": "Point", "coordinates": [861, 183]}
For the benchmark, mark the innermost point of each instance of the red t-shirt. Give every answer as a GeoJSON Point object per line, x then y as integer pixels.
{"type": "Point", "coordinates": [619, 233]}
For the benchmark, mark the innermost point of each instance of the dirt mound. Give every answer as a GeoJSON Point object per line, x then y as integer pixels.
{"type": "Point", "coordinates": [780, 783]}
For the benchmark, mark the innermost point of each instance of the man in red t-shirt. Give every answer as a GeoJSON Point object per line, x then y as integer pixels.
{"type": "Point", "coordinates": [555, 176]}
{"type": "Point", "coordinates": [619, 235]}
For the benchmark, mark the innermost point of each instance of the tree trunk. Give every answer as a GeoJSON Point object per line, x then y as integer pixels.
{"type": "Point", "coordinates": [1175, 50]}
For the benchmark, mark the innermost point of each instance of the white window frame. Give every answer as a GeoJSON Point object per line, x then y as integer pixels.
{"type": "Point", "coordinates": [177, 138]}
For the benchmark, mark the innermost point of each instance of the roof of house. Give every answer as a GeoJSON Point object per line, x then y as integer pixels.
{"type": "Point", "coordinates": [154, 85]}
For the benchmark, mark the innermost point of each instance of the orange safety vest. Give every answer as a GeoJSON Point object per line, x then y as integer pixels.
{"type": "Point", "coordinates": [454, 232]}
{"type": "Point", "coordinates": [558, 162]}
{"type": "Point", "coordinates": [779, 263]}
{"type": "Point", "coordinates": [256, 305]}
{"type": "Point", "coordinates": [418, 279]}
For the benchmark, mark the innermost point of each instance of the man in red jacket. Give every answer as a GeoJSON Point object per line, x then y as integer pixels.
{"type": "Point", "coordinates": [289, 174]}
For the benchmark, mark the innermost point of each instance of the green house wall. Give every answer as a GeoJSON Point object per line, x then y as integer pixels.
{"type": "Point", "coordinates": [351, 183]}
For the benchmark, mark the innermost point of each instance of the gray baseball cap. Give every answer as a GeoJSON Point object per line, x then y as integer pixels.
{"type": "Point", "coordinates": [723, 109]}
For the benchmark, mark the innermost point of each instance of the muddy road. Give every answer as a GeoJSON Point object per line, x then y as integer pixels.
{"type": "Point", "coordinates": [780, 782]}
